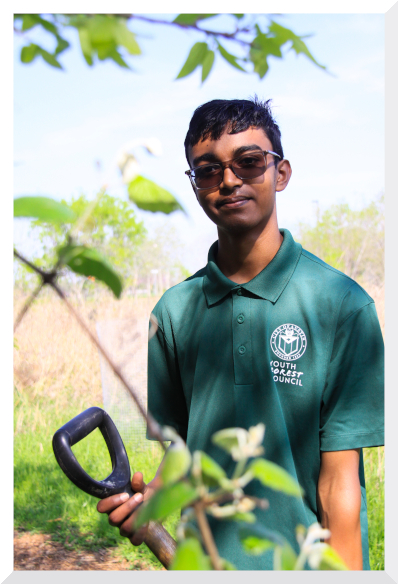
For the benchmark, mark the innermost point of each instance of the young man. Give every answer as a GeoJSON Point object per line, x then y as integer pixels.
{"type": "Point", "coordinates": [266, 332]}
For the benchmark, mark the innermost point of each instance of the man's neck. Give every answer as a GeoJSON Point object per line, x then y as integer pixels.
{"type": "Point", "coordinates": [241, 257]}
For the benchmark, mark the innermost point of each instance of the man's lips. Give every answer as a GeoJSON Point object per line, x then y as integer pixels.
{"type": "Point", "coordinates": [232, 202]}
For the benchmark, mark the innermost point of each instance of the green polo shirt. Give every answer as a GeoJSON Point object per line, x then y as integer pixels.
{"type": "Point", "coordinates": [298, 348]}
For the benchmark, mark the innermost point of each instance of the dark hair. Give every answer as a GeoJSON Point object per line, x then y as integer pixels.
{"type": "Point", "coordinates": [211, 119]}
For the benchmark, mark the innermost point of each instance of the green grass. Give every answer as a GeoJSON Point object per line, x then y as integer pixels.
{"type": "Point", "coordinates": [374, 475]}
{"type": "Point", "coordinates": [46, 501]}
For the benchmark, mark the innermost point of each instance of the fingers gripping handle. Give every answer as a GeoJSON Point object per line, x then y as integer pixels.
{"type": "Point", "coordinates": [157, 539]}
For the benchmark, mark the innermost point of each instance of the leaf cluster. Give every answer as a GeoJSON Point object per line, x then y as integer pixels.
{"type": "Point", "coordinates": [264, 44]}
{"type": "Point", "coordinates": [198, 483]}
{"type": "Point", "coordinates": [101, 37]}
{"type": "Point", "coordinates": [107, 36]}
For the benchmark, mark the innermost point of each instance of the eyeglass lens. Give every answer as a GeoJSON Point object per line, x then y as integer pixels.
{"type": "Point", "coordinates": [246, 167]}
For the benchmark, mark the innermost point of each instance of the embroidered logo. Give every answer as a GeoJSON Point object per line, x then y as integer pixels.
{"type": "Point", "coordinates": [288, 342]}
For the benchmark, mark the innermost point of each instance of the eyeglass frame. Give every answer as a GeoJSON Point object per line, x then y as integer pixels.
{"type": "Point", "coordinates": [228, 164]}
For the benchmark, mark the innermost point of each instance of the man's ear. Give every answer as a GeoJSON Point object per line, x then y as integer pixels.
{"type": "Point", "coordinates": [283, 174]}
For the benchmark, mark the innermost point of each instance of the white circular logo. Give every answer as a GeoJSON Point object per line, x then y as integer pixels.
{"type": "Point", "coordinates": [288, 342]}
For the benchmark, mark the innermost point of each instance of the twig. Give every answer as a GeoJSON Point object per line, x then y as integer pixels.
{"type": "Point", "coordinates": [207, 536]}
{"type": "Point", "coordinates": [227, 35]}
{"type": "Point", "coordinates": [27, 305]}
{"type": "Point", "coordinates": [153, 426]}
{"type": "Point", "coordinates": [45, 279]}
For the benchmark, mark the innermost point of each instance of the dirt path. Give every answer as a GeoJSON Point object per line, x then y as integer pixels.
{"type": "Point", "coordinates": [37, 551]}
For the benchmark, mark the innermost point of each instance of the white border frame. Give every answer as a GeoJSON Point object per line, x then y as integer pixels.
{"type": "Point", "coordinates": [390, 9]}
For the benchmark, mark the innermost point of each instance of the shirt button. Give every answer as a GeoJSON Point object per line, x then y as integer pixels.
{"type": "Point", "coordinates": [240, 318]}
{"type": "Point", "coordinates": [239, 291]}
{"type": "Point", "coordinates": [242, 350]}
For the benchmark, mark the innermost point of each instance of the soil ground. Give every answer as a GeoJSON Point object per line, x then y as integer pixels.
{"type": "Point", "coordinates": [37, 551]}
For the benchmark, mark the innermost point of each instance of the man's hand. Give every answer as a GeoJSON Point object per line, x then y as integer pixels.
{"type": "Point", "coordinates": [339, 504]}
{"type": "Point", "coordinates": [122, 510]}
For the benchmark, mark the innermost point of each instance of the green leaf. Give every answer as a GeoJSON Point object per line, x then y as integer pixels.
{"type": "Point", "coordinates": [247, 517]}
{"type": "Point", "coordinates": [44, 209]}
{"type": "Point", "coordinates": [285, 34]}
{"type": "Point", "coordinates": [191, 18]}
{"type": "Point", "coordinates": [195, 58]}
{"type": "Point", "coordinates": [101, 28]}
{"type": "Point", "coordinates": [207, 64]}
{"type": "Point", "coordinates": [190, 556]}
{"type": "Point", "coordinates": [85, 44]}
{"type": "Point", "coordinates": [29, 21]}
{"type": "Point", "coordinates": [50, 59]}
{"type": "Point", "coordinates": [61, 45]}
{"type": "Point", "coordinates": [47, 25]}
{"type": "Point", "coordinates": [231, 59]}
{"type": "Point", "coordinates": [284, 557]}
{"type": "Point", "coordinates": [228, 438]}
{"type": "Point", "coordinates": [267, 45]}
{"type": "Point", "coordinates": [260, 62]}
{"type": "Point", "coordinates": [300, 47]}
{"type": "Point", "coordinates": [116, 56]}
{"type": "Point", "coordinates": [256, 546]}
{"type": "Point", "coordinates": [331, 560]}
{"type": "Point", "coordinates": [88, 262]}
{"type": "Point", "coordinates": [126, 38]}
{"type": "Point", "coordinates": [166, 501]}
{"type": "Point", "coordinates": [238, 16]}
{"type": "Point", "coordinates": [149, 196]}
{"type": "Point", "coordinates": [259, 538]}
{"type": "Point", "coordinates": [29, 52]}
{"type": "Point", "coordinates": [210, 468]}
{"type": "Point", "coordinates": [273, 476]}
{"type": "Point", "coordinates": [105, 50]}
{"type": "Point", "coordinates": [176, 463]}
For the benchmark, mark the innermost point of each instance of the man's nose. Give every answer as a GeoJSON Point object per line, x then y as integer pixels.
{"type": "Point", "coordinates": [230, 180]}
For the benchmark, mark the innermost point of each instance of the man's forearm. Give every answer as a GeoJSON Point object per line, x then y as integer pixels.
{"type": "Point", "coordinates": [340, 514]}
{"type": "Point", "coordinates": [339, 504]}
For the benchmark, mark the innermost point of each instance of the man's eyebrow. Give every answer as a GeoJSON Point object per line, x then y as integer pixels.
{"type": "Point", "coordinates": [210, 157]}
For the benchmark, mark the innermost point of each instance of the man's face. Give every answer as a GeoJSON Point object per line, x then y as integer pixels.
{"type": "Point", "coordinates": [239, 205]}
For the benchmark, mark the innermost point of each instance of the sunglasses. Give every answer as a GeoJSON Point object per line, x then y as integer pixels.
{"type": "Point", "coordinates": [247, 166]}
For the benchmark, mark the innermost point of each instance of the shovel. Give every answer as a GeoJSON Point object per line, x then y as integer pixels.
{"type": "Point", "coordinates": [158, 540]}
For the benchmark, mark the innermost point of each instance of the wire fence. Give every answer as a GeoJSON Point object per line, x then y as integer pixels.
{"type": "Point", "coordinates": [126, 341]}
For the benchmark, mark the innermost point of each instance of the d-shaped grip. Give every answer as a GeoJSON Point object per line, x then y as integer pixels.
{"type": "Point", "coordinates": [157, 538]}
{"type": "Point", "coordinates": [77, 429]}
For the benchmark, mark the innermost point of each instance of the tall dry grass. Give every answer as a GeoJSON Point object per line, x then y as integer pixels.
{"type": "Point", "coordinates": [53, 356]}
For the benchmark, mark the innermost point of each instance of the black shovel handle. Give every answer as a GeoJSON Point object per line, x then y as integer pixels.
{"type": "Point", "coordinates": [157, 539]}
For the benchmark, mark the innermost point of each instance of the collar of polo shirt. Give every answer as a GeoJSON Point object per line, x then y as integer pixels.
{"type": "Point", "coordinates": [268, 284]}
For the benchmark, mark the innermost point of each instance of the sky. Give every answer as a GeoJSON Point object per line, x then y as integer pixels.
{"type": "Point", "coordinates": [332, 123]}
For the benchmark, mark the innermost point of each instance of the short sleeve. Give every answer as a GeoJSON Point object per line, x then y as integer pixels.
{"type": "Point", "coordinates": [166, 400]}
{"type": "Point", "coordinates": [352, 410]}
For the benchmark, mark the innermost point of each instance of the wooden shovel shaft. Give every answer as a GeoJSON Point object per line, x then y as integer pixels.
{"type": "Point", "coordinates": [161, 544]}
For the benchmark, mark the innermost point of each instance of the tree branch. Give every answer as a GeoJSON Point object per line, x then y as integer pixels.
{"type": "Point", "coordinates": [49, 278]}
{"type": "Point", "coordinates": [207, 536]}
{"type": "Point", "coordinates": [27, 305]}
{"type": "Point", "coordinates": [227, 35]}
